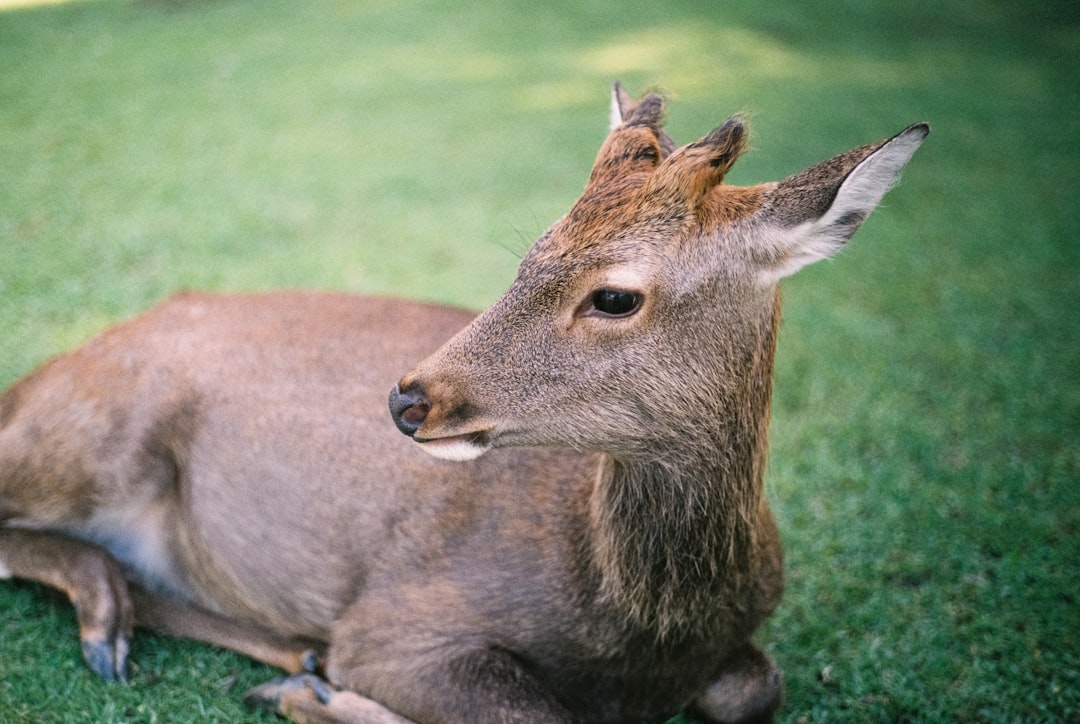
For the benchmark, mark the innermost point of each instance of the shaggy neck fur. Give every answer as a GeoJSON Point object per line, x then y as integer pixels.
{"type": "Point", "coordinates": [675, 535]}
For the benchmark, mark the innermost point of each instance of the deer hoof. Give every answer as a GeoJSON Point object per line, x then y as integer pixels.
{"type": "Point", "coordinates": [309, 661]}
{"type": "Point", "coordinates": [107, 659]}
{"type": "Point", "coordinates": [280, 694]}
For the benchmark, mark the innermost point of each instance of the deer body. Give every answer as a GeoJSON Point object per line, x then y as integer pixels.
{"type": "Point", "coordinates": [599, 548]}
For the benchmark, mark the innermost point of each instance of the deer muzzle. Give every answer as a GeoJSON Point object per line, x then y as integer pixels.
{"type": "Point", "coordinates": [409, 409]}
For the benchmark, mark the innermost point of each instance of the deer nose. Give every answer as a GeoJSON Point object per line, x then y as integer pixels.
{"type": "Point", "coordinates": [409, 408]}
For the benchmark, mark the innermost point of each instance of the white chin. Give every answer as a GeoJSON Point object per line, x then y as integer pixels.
{"type": "Point", "coordinates": [456, 450]}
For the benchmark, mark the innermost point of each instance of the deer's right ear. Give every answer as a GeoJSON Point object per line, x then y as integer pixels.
{"type": "Point", "coordinates": [623, 107]}
{"type": "Point", "coordinates": [633, 147]}
{"type": "Point", "coordinates": [815, 212]}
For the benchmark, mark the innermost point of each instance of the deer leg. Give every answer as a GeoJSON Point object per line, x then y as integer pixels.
{"type": "Point", "coordinates": [478, 686]}
{"type": "Point", "coordinates": [750, 689]}
{"type": "Point", "coordinates": [92, 580]}
{"type": "Point", "coordinates": [308, 698]}
{"type": "Point", "coordinates": [165, 615]}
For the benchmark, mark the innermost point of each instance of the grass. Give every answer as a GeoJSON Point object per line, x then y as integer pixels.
{"type": "Point", "coordinates": [925, 465]}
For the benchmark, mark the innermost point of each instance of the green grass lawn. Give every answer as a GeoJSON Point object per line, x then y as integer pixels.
{"type": "Point", "coordinates": [925, 464]}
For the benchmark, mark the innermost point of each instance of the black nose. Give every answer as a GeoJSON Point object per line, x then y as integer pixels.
{"type": "Point", "coordinates": [408, 408]}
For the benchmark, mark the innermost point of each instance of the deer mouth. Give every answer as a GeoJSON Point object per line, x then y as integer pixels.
{"type": "Point", "coordinates": [456, 448]}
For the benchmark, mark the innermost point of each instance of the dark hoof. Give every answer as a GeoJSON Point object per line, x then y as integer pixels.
{"type": "Point", "coordinates": [271, 694]}
{"type": "Point", "coordinates": [107, 660]}
{"type": "Point", "coordinates": [310, 661]}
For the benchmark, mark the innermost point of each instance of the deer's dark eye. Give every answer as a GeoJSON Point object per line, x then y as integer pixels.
{"type": "Point", "coordinates": [615, 303]}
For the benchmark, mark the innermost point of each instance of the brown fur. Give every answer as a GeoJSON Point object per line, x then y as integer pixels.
{"type": "Point", "coordinates": [221, 467]}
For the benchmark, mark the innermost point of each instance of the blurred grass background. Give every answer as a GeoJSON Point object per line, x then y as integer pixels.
{"type": "Point", "coordinates": [925, 465]}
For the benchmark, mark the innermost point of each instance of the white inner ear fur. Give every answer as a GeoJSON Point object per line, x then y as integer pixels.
{"type": "Point", "coordinates": [858, 195]}
{"type": "Point", "coordinates": [615, 116]}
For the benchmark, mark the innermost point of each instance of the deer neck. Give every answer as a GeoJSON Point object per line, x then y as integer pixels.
{"type": "Point", "coordinates": [678, 538]}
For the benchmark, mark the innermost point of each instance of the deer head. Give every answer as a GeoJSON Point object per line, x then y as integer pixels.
{"type": "Point", "coordinates": [644, 318]}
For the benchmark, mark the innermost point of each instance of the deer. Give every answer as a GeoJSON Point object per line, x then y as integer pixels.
{"type": "Point", "coordinates": [563, 518]}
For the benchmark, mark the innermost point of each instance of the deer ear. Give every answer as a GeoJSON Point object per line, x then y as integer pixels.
{"type": "Point", "coordinates": [694, 170]}
{"type": "Point", "coordinates": [623, 107]}
{"type": "Point", "coordinates": [633, 147]}
{"type": "Point", "coordinates": [816, 211]}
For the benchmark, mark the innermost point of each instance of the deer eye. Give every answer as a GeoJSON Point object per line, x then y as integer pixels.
{"type": "Point", "coordinates": [615, 303]}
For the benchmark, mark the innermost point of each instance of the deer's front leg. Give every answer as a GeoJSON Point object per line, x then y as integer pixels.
{"type": "Point", "coordinates": [476, 687]}
{"type": "Point", "coordinates": [92, 580]}
{"type": "Point", "coordinates": [309, 699]}
{"type": "Point", "coordinates": [750, 689]}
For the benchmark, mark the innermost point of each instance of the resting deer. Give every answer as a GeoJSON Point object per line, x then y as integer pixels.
{"type": "Point", "coordinates": [598, 548]}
